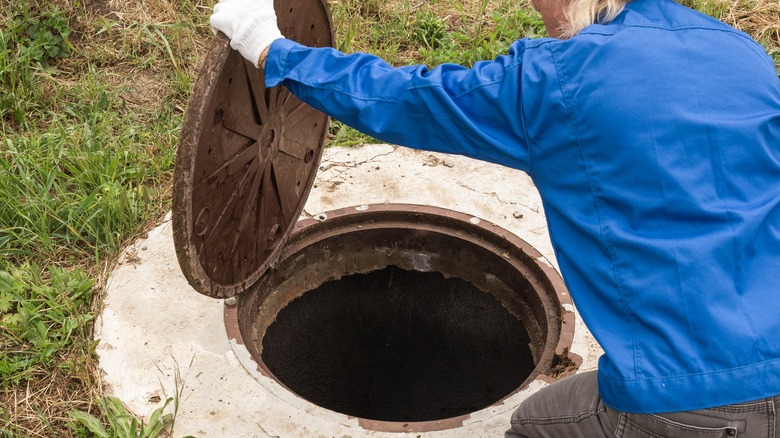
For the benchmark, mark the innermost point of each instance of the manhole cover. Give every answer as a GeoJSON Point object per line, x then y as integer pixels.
{"type": "Point", "coordinates": [246, 161]}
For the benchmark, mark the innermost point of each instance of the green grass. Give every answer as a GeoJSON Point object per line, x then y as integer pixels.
{"type": "Point", "coordinates": [30, 44]}
{"type": "Point", "coordinates": [41, 317]}
{"type": "Point", "coordinates": [90, 109]}
{"type": "Point", "coordinates": [92, 96]}
{"type": "Point", "coordinates": [431, 33]}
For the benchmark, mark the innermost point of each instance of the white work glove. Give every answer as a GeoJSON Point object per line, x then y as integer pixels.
{"type": "Point", "coordinates": [249, 24]}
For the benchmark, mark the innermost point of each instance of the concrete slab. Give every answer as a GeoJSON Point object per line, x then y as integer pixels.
{"type": "Point", "coordinates": [154, 325]}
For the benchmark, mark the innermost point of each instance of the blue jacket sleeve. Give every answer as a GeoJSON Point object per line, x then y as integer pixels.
{"type": "Point", "coordinates": [474, 112]}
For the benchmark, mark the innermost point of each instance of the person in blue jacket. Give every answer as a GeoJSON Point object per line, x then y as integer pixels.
{"type": "Point", "coordinates": [652, 133]}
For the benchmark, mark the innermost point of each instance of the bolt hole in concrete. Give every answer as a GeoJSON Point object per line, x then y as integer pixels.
{"type": "Point", "coordinates": [398, 345]}
{"type": "Point", "coordinates": [401, 314]}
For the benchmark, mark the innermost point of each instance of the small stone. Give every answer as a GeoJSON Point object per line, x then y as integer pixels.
{"type": "Point", "coordinates": [517, 215]}
{"type": "Point", "coordinates": [448, 163]}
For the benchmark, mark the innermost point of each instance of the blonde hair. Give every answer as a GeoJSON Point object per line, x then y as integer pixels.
{"type": "Point", "coordinates": [582, 13]}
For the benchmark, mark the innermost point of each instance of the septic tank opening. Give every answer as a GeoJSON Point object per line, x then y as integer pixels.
{"type": "Point", "coordinates": [398, 345]}
{"type": "Point", "coordinates": [410, 318]}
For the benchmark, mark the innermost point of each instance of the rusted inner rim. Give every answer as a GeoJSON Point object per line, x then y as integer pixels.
{"type": "Point", "coordinates": [246, 161]}
{"type": "Point", "coordinates": [368, 238]}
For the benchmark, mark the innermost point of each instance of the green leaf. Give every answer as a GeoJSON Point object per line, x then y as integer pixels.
{"type": "Point", "coordinates": [13, 369]}
{"type": "Point", "coordinates": [9, 284]}
{"type": "Point", "coordinates": [90, 422]}
{"type": "Point", "coordinates": [133, 432]}
{"type": "Point", "coordinates": [122, 422]}
{"type": "Point", "coordinates": [6, 302]}
{"type": "Point", "coordinates": [156, 428]}
{"type": "Point", "coordinates": [158, 421]}
{"type": "Point", "coordinates": [12, 322]}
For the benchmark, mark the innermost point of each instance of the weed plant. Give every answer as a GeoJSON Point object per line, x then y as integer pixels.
{"type": "Point", "coordinates": [30, 44]}
{"type": "Point", "coordinates": [92, 95]}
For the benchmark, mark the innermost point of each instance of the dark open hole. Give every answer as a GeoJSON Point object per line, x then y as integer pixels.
{"type": "Point", "coordinates": [398, 345]}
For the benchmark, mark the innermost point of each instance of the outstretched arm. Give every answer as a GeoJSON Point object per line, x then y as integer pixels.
{"type": "Point", "coordinates": [474, 112]}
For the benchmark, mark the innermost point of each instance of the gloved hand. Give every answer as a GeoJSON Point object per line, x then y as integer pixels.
{"type": "Point", "coordinates": [250, 25]}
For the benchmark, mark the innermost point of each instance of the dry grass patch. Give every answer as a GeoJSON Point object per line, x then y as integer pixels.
{"type": "Point", "coordinates": [761, 20]}
{"type": "Point", "coordinates": [758, 18]}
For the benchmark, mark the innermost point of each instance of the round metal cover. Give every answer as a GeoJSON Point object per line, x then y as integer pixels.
{"type": "Point", "coordinates": [246, 161]}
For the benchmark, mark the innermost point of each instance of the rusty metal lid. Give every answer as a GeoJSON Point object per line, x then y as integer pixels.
{"type": "Point", "coordinates": [246, 161]}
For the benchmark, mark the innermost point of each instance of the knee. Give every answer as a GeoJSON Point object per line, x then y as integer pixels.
{"type": "Point", "coordinates": [563, 400]}
{"type": "Point", "coordinates": [518, 423]}
{"type": "Point", "coordinates": [516, 430]}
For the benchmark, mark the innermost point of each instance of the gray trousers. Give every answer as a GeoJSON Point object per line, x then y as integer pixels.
{"type": "Point", "coordinates": [572, 408]}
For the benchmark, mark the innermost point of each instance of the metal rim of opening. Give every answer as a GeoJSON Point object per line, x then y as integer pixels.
{"type": "Point", "coordinates": [551, 353]}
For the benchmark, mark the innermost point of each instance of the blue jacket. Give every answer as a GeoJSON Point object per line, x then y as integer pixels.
{"type": "Point", "coordinates": [654, 141]}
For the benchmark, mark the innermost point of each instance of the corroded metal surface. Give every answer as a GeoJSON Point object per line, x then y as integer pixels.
{"type": "Point", "coordinates": [246, 161]}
